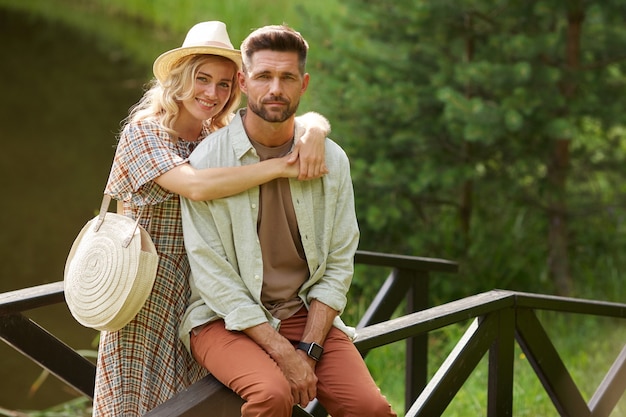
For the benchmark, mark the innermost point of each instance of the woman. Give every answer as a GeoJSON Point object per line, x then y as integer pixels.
{"type": "Point", "coordinates": [194, 93]}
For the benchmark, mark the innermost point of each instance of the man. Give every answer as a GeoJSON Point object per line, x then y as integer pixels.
{"type": "Point", "coordinates": [271, 266]}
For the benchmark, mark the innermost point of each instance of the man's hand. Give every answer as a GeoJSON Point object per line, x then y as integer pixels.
{"type": "Point", "coordinates": [297, 370]}
{"type": "Point", "coordinates": [301, 377]}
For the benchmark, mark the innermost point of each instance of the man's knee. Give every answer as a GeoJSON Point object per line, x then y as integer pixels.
{"type": "Point", "coordinates": [269, 397]}
{"type": "Point", "coordinates": [380, 407]}
{"type": "Point", "coordinates": [374, 406]}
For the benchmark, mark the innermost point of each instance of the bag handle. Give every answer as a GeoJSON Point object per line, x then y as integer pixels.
{"type": "Point", "coordinates": [104, 208]}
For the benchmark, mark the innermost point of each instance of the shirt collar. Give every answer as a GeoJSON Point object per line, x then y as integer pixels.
{"type": "Point", "coordinates": [240, 141]}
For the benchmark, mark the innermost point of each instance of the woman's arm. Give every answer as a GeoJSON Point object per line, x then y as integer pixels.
{"type": "Point", "coordinates": [306, 162]}
{"type": "Point", "coordinates": [211, 183]}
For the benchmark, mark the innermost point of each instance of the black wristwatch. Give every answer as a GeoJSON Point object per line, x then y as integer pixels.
{"type": "Point", "coordinates": [312, 349]}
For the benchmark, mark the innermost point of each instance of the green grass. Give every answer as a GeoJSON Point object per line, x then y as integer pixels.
{"type": "Point", "coordinates": [587, 346]}
{"type": "Point", "coordinates": [78, 407]}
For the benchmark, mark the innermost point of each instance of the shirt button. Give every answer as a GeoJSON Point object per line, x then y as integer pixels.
{"type": "Point", "coordinates": [257, 277]}
{"type": "Point", "coordinates": [253, 206]}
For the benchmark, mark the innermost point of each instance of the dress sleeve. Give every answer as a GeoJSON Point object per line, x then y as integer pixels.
{"type": "Point", "coordinates": [144, 152]}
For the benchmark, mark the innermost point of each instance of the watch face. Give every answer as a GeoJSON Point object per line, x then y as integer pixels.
{"type": "Point", "coordinates": [312, 349]}
{"type": "Point", "coordinates": [316, 351]}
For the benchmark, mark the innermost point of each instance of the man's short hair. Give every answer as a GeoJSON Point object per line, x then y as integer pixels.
{"type": "Point", "coordinates": [279, 38]}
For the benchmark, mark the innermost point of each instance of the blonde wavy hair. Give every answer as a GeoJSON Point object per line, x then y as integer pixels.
{"type": "Point", "coordinates": [162, 101]}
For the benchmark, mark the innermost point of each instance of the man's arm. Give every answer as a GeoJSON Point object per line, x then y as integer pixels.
{"type": "Point", "coordinates": [338, 266]}
{"type": "Point", "coordinates": [212, 259]}
{"type": "Point", "coordinates": [337, 275]}
{"type": "Point", "coordinates": [319, 321]}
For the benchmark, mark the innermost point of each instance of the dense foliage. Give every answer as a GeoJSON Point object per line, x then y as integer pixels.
{"type": "Point", "coordinates": [485, 131]}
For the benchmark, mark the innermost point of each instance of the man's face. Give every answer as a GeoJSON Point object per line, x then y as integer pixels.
{"type": "Point", "coordinates": [274, 85]}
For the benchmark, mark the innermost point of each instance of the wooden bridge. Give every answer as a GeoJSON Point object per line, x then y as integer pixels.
{"type": "Point", "coordinates": [499, 319]}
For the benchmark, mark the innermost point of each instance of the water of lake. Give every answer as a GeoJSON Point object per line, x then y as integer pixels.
{"type": "Point", "coordinates": [63, 97]}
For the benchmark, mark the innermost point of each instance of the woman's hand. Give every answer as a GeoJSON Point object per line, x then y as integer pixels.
{"type": "Point", "coordinates": [310, 148]}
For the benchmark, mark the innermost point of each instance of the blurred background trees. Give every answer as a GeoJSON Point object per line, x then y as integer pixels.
{"type": "Point", "coordinates": [485, 131]}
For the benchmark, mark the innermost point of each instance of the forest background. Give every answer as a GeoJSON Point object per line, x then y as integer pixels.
{"type": "Point", "coordinates": [488, 132]}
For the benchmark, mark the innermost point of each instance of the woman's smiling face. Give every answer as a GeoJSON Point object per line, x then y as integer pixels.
{"type": "Point", "coordinates": [213, 84]}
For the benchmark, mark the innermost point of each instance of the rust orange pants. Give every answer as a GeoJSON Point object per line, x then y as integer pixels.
{"type": "Point", "coordinates": [345, 386]}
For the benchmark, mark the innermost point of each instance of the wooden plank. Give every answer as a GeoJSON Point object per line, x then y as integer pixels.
{"type": "Point", "coordinates": [456, 368]}
{"type": "Point", "coordinates": [434, 318]}
{"type": "Point", "coordinates": [207, 397]}
{"type": "Point", "coordinates": [501, 366]}
{"type": "Point", "coordinates": [386, 300]}
{"type": "Point", "coordinates": [441, 316]}
{"type": "Point", "coordinates": [571, 305]}
{"type": "Point", "coordinates": [548, 366]}
{"type": "Point", "coordinates": [299, 412]}
{"type": "Point", "coordinates": [52, 354]}
{"type": "Point", "coordinates": [416, 356]}
{"type": "Point", "coordinates": [32, 297]}
{"type": "Point", "coordinates": [610, 389]}
{"type": "Point", "coordinates": [405, 262]}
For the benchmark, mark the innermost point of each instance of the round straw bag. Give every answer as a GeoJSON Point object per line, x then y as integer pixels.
{"type": "Point", "coordinates": [109, 271]}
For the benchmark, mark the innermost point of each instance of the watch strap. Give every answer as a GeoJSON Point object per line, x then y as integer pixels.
{"type": "Point", "coordinates": [313, 350]}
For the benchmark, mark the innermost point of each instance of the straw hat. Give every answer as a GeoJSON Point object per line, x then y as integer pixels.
{"type": "Point", "coordinates": [108, 279]}
{"type": "Point", "coordinates": [204, 38]}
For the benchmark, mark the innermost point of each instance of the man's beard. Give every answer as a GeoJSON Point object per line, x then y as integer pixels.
{"type": "Point", "coordinates": [274, 117]}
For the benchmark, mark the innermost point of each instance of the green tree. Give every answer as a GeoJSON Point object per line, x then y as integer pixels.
{"type": "Point", "coordinates": [483, 130]}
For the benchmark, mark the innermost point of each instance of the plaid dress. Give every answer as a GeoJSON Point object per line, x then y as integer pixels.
{"type": "Point", "coordinates": [145, 363]}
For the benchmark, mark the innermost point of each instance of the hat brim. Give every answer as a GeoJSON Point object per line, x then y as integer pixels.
{"type": "Point", "coordinates": [164, 63]}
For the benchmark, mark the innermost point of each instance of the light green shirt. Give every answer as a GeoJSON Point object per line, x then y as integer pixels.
{"type": "Point", "coordinates": [223, 246]}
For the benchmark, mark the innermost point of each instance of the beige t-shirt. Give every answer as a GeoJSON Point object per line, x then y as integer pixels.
{"type": "Point", "coordinates": [284, 263]}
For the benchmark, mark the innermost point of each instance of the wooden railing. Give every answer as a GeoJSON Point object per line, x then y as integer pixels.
{"type": "Point", "coordinates": [408, 281]}
{"type": "Point", "coordinates": [38, 344]}
{"type": "Point", "coordinates": [498, 318]}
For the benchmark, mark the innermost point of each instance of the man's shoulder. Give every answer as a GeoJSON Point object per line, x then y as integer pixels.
{"type": "Point", "coordinates": [334, 146]}
{"type": "Point", "coordinates": [335, 153]}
